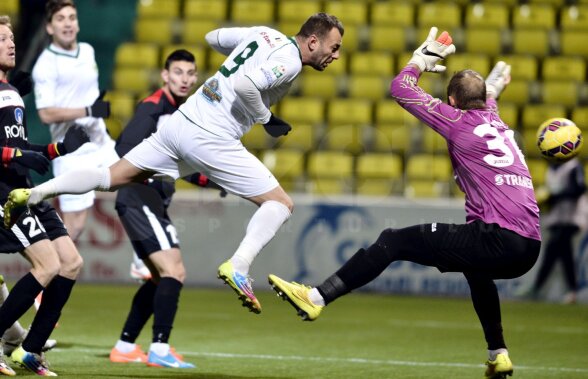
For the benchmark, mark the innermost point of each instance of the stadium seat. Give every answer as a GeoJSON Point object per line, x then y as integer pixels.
{"type": "Point", "coordinates": [330, 164]}
{"type": "Point", "coordinates": [486, 15]}
{"type": "Point", "coordinates": [380, 38]}
{"type": "Point", "coordinates": [398, 14]}
{"type": "Point", "coordinates": [510, 3]}
{"type": "Point", "coordinates": [564, 68]}
{"type": "Point", "coordinates": [580, 117]}
{"type": "Point", "coordinates": [122, 104]}
{"type": "Point", "coordinates": [535, 114]}
{"type": "Point", "coordinates": [372, 87]}
{"type": "Point", "coordinates": [530, 41]}
{"type": "Point", "coordinates": [444, 15]}
{"type": "Point", "coordinates": [517, 92]}
{"type": "Point", "coordinates": [137, 80]}
{"type": "Point", "coordinates": [297, 10]}
{"type": "Point", "coordinates": [252, 12]}
{"type": "Point", "coordinates": [423, 188]}
{"type": "Point", "coordinates": [158, 30]}
{"type": "Point", "coordinates": [351, 38]}
{"type": "Point", "coordinates": [329, 186]}
{"type": "Point", "coordinates": [477, 62]}
{"type": "Point", "coordinates": [284, 163]}
{"type": "Point", "coordinates": [538, 169]}
{"type": "Point", "coordinates": [432, 142]}
{"type": "Point", "coordinates": [555, 3]}
{"type": "Point", "coordinates": [131, 54]}
{"type": "Point", "coordinates": [349, 111]}
{"type": "Point", "coordinates": [158, 9]}
{"type": "Point", "coordinates": [389, 112]}
{"type": "Point", "coordinates": [509, 113]}
{"type": "Point", "coordinates": [574, 17]}
{"type": "Point", "coordinates": [10, 8]}
{"type": "Point", "coordinates": [372, 62]}
{"type": "Point", "coordinates": [193, 31]}
{"type": "Point", "coordinates": [522, 66]}
{"type": "Point", "coordinates": [301, 137]}
{"type": "Point", "coordinates": [492, 38]}
{"type": "Point", "coordinates": [528, 143]}
{"type": "Point", "coordinates": [379, 187]}
{"type": "Point", "coordinates": [574, 43]}
{"type": "Point", "coordinates": [533, 16]}
{"type": "Point", "coordinates": [256, 138]}
{"type": "Point", "coordinates": [339, 66]}
{"type": "Point", "coordinates": [308, 110]}
{"type": "Point", "coordinates": [350, 12]}
{"type": "Point", "coordinates": [216, 10]}
{"type": "Point", "coordinates": [215, 60]}
{"type": "Point", "coordinates": [563, 92]}
{"type": "Point", "coordinates": [198, 51]}
{"type": "Point", "coordinates": [114, 126]}
{"type": "Point", "coordinates": [291, 28]}
{"type": "Point", "coordinates": [429, 167]}
{"type": "Point", "coordinates": [319, 84]}
{"type": "Point", "coordinates": [379, 174]}
{"type": "Point", "coordinates": [348, 138]}
{"type": "Point", "coordinates": [393, 138]}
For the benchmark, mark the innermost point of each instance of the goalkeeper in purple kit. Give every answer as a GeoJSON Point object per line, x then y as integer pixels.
{"type": "Point", "coordinates": [501, 237]}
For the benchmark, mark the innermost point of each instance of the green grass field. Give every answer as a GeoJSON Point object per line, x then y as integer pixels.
{"type": "Point", "coordinates": [359, 336]}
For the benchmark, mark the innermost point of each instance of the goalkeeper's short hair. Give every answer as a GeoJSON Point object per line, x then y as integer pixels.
{"type": "Point", "coordinates": [468, 88]}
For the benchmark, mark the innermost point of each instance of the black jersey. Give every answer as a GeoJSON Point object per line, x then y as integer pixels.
{"type": "Point", "coordinates": [13, 134]}
{"type": "Point", "coordinates": [151, 113]}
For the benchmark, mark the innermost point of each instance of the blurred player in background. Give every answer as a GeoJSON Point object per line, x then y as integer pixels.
{"type": "Point", "coordinates": [66, 93]}
{"type": "Point", "coordinates": [501, 238]}
{"type": "Point", "coordinates": [142, 209]}
{"type": "Point", "coordinates": [38, 233]}
{"type": "Point", "coordinates": [204, 134]}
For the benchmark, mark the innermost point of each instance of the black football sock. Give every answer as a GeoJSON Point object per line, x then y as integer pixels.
{"type": "Point", "coordinates": [487, 305]}
{"type": "Point", "coordinates": [141, 310]}
{"type": "Point", "coordinates": [54, 298]}
{"type": "Point", "coordinates": [20, 299]}
{"type": "Point", "coordinates": [165, 306]}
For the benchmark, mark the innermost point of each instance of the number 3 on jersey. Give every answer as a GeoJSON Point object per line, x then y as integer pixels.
{"type": "Point", "coordinates": [239, 59]}
{"type": "Point", "coordinates": [499, 143]}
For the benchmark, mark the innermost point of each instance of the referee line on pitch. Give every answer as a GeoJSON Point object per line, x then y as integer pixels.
{"type": "Point", "coordinates": [389, 362]}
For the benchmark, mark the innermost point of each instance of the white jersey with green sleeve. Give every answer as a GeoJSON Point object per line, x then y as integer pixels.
{"type": "Point", "coordinates": [69, 79]}
{"type": "Point", "coordinates": [263, 55]}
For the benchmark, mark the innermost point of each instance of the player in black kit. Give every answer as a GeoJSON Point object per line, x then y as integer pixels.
{"type": "Point", "coordinates": [142, 209]}
{"type": "Point", "coordinates": [39, 234]}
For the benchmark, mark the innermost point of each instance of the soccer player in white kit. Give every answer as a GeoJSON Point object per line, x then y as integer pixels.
{"type": "Point", "coordinates": [203, 135]}
{"type": "Point", "coordinates": [66, 93]}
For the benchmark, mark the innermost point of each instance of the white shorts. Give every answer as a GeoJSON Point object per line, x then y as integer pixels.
{"type": "Point", "coordinates": [88, 155]}
{"type": "Point", "coordinates": [180, 147]}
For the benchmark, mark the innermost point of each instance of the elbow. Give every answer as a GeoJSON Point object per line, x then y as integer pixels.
{"type": "Point", "coordinates": [395, 87]}
{"type": "Point", "coordinates": [46, 117]}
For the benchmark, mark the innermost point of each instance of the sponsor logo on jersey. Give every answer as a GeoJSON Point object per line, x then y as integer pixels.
{"type": "Point", "coordinates": [210, 91]}
{"type": "Point", "coordinates": [279, 71]}
{"type": "Point", "coordinates": [267, 39]}
{"type": "Point", "coordinates": [15, 131]}
{"type": "Point", "coordinates": [18, 115]}
{"type": "Point", "coordinates": [513, 180]}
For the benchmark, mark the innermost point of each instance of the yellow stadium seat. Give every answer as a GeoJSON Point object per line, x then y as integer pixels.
{"type": "Point", "coordinates": [290, 28]}
{"type": "Point", "coordinates": [372, 62]}
{"type": "Point", "coordinates": [530, 41]}
{"type": "Point", "coordinates": [535, 114]}
{"type": "Point", "coordinates": [509, 113]}
{"type": "Point", "coordinates": [199, 53]}
{"type": "Point", "coordinates": [379, 187]}
{"type": "Point", "coordinates": [328, 186]}
{"type": "Point", "coordinates": [393, 138]}
{"type": "Point", "coordinates": [510, 3]}
{"type": "Point", "coordinates": [528, 143]}
{"type": "Point", "coordinates": [339, 66]}
{"type": "Point", "coordinates": [283, 163]}
{"type": "Point", "coordinates": [10, 8]}
{"type": "Point", "coordinates": [555, 3]}
{"type": "Point", "coordinates": [429, 167]}
{"type": "Point", "coordinates": [389, 112]}
{"type": "Point", "coordinates": [538, 169]}
{"type": "Point", "coordinates": [330, 164]}
{"type": "Point", "coordinates": [122, 104]}
{"type": "Point", "coordinates": [517, 92]}
{"type": "Point", "coordinates": [252, 12]}
{"type": "Point", "coordinates": [477, 62]}
{"type": "Point", "coordinates": [487, 15]}
{"type": "Point", "coordinates": [349, 111]}
{"type": "Point", "coordinates": [533, 16]}
{"type": "Point", "coordinates": [390, 38]}
{"type": "Point", "coordinates": [522, 67]}
{"type": "Point", "coordinates": [158, 9]}
{"type": "Point", "coordinates": [580, 117]}
{"type": "Point", "coordinates": [302, 109]}
{"type": "Point", "coordinates": [574, 17]}
{"type": "Point", "coordinates": [563, 92]}
{"type": "Point", "coordinates": [483, 40]}
{"type": "Point", "coordinates": [256, 138]}
{"type": "Point", "coordinates": [350, 12]}
{"type": "Point", "coordinates": [297, 10]}
{"type": "Point", "coordinates": [206, 10]}
{"type": "Point", "coordinates": [372, 87]}
{"type": "Point", "coordinates": [379, 174]}
{"type": "Point", "coordinates": [137, 55]}
{"type": "Point", "coordinates": [301, 137]}
{"type": "Point", "coordinates": [564, 68]}
{"type": "Point", "coordinates": [193, 31]}
{"type": "Point", "coordinates": [136, 80]}
{"type": "Point", "coordinates": [351, 38]}
{"type": "Point", "coordinates": [432, 141]}
{"type": "Point", "coordinates": [348, 138]}
{"type": "Point", "coordinates": [114, 126]}
{"type": "Point", "coordinates": [574, 43]}
{"type": "Point", "coordinates": [440, 14]}
{"type": "Point", "coordinates": [423, 188]}
{"type": "Point", "coordinates": [399, 14]}
{"type": "Point", "coordinates": [158, 31]}
{"type": "Point", "coordinates": [215, 60]}
{"type": "Point", "coordinates": [319, 84]}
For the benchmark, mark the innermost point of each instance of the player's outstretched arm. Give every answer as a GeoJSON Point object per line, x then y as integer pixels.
{"type": "Point", "coordinates": [29, 159]}
{"type": "Point", "coordinates": [497, 80]}
{"type": "Point", "coordinates": [426, 56]}
{"type": "Point", "coordinates": [75, 137]}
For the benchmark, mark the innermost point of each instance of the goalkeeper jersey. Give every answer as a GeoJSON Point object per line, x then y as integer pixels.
{"type": "Point", "coordinates": [266, 57]}
{"type": "Point", "coordinates": [487, 163]}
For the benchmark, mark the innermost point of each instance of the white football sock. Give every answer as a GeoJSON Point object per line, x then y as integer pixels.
{"type": "Point", "coordinates": [124, 347]}
{"type": "Point", "coordinates": [261, 229]}
{"type": "Point", "coordinates": [315, 296]}
{"type": "Point", "coordinates": [159, 348]}
{"type": "Point", "coordinates": [493, 353]}
{"type": "Point", "coordinates": [73, 182]}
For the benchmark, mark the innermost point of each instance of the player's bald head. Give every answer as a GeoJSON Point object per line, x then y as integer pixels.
{"type": "Point", "coordinates": [468, 89]}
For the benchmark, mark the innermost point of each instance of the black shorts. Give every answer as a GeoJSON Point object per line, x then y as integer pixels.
{"type": "Point", "coordinates": [149, 230]}
{"type": "Point", "coordinates": [476, 247]}
{"type": "Point", "coordinates": [39, 223]}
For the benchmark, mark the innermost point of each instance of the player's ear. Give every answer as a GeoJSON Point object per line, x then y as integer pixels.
{"type": "Point", "coordinates": [49, 29]}
{"type": "Point", "coordinates": [313, 42]}
{"type": "Point", "coordinates": [451, 100]}
{"type": "Point", "coordinates": [165, 76]}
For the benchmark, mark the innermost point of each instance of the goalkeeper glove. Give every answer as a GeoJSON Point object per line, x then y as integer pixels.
{"type": "Point", "coordinates": [75, 137]}
{"type": "Point", "coordinates": [22, 81]}
{"type": "Point", "coordinates": [202, 180]}
{"type": "Point", "coordinates": [432, 51]}
{"type": "Point", "coordinates": [497, 80]}
{"type": "Point", "coordinates": [26, 158]}
{"type": "Point", "coordinates": [100, 108]}
{"type": "Point", "coordinates": [276, 127]}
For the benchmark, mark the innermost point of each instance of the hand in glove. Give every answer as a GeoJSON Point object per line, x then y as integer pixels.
{"type": "Point", "coordinates": [100, 108]}
{"type": "Point", "coordinates": [432, 51]}
{"type": "Point", "coordinates": [22, 81]}
{"type": "Point", "coordinates": [75, 137]}
{"type": "Point", "coordinates": [276, 127]}
{"type": "Point", "coordinates": [497, 80]}
{"type": "Point", "coordinates": [31, 159]}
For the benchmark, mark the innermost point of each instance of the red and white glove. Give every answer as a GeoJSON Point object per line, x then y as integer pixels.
{"type": "Point", "coordinates": [432, 51]}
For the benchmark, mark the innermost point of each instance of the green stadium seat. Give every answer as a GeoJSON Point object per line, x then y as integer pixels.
{"type": "Point", "coordinates": [366, 86]}
{"type": "Point", "coordinates": [252, 12]}
{"type": "Point", "coordinates": [297, 10]}
{"type": "Point", "coordinates": [522, 66]}
{"type": "Point", "coordinates": [131, 54]}
{"type": "Point", "coordinates": [349, 111]}
{"type": "Point", "coordinates": [158, 9]}
{"type": "Point", "coordinates": [574, 17]}
{"type": "Point", "coordinates": [216, 10]}
{"type": "Point", "coordinates": [380, 38]}
{"type": "Point", "coordinates": [387, 13]}
{"type": "Point", "coordinates": [310, 110]}
{"type": "Point", "coordinates": [487, 15]}
{"type": "Point", "coordinates": [535, 114]}
{"type": "Point", "coordinates": [534, 16]}
{"type": "Point", "coordinates": [563, 92]}
{"type": "Point", "coordinates": [159, 31]}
